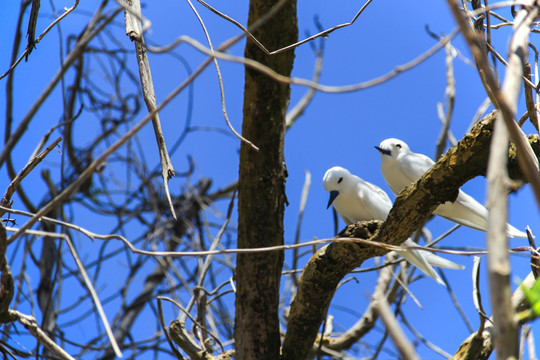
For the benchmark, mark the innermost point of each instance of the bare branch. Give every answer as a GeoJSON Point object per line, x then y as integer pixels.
{"type": "Point", "coordinates": [220, 80]}
{"type": "Point", "coordinates": [450, 95]}
{"type": "Point", "coordinates": [527, 160]}
{"type": "Point", "coordinates": [298, 81]}
{"type": "Point", "coordinates": [303, 200]}
{"type": "Point", "coordinates": [403, 345]}
{"type": "Point", "coordinates": [301, 106]}
{"type": "Point", "coordinates": [135, 33]}
{"type": "Point", "coordinates": [25, 171]}
{"type": "Point", "coordinates": [477, 298]}
{"type": "Point", "coordinates": [507, 343]}
{"type": "Point", "coordinates": [31, 324]}
{"type": "Point", "coordinates": [324, 33]}
{"type": "Point", "coordinates": [478, 346]}
{"type": "Point", "coordinates": [88, 34]}
{"type": "Point", "coordinates": [29, 48]}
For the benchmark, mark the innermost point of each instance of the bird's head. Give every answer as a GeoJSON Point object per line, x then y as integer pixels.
{"type": "Point", "coordinates": [335, 182]}
{"type": "Point", "coordinates": [391, 148]}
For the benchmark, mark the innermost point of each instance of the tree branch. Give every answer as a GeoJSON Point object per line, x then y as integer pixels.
{"type": "Point", "coordinates": [135, 32]}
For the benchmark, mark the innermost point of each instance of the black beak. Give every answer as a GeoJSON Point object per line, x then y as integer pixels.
{"type": "Point", "coordinates": [333, 195]}
{"type": "Point", "coordinates": [383, 151]}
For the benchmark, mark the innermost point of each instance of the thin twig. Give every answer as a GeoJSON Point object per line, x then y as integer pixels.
{"type": "Point", "coordinates": [220, 81]}
{"type": "Point", "coordinates": [535, 256]}
{"type": "Point", "coordinates": [135, 250]}
{"type": "Point", "coordinates": [23, 173]}
{"type": "Point", "coordinates": [309, 83]}
{"type": "Point", "coordinates": [301, 105]}
{"type": "Point", "coordinates": [529, 98]}
{"type": "Point", "coordinates": [324, 33]}
{"type": "Point", "coordinates": [422, 338]}
{"type": "Point", "coordinates": [49, 28]}
{"type": "Point", "coordinates": [94, 295]}
{"type": "Point", "coordinates": [207, 262]}
{"type": "Point", "coordinates": [477, 295]}
{"type": "Point", "coordinates": [450, 94]}
{"type": "Point", "coordinates": [455, 301]}
{"type": "Point", "coordinates": [367, 321]}
{"type": "Point", "coordinates": [166, 332]}
{"type": "Point", "coordinates": [303, 200]}
{"type": "Point", "coordinates": [193, 320]}
{"type": "Point", "coordinates": [505, 63]}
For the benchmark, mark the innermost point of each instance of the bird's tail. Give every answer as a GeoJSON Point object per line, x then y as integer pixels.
{"type": "Point", "coordinates": [425, 260]}
{"type": "Point", "coordinates": [514, 233]}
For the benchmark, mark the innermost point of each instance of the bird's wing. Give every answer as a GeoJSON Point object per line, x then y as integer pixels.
{"type": "Point", "coordinates": [425, 260]}
{"type": "Point", "coordinates": [469, 212]}
{"type": "Point", "coordinates": [477, 209]}
{"type": "Point", "coordinates": [413, 166]}
{"type": "Point", "coordinates": [465, 211]}
{"type": "Point", "coordinates": [438, 261]}
{"type": "Point", "coordinates": [407, 169]}
{"type": "Point", "coordinates": [515, 233]}
{"type": "Point", "coordinates": [376, 202]}
{"type": "Point", "coordinates": [417, 258]}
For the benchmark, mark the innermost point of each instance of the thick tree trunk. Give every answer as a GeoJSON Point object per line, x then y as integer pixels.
{"type": "Point", "coordinates": [261, 197]}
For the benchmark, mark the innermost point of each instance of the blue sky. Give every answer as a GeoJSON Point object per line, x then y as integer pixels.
{"type": "Point", "coordinates": [336, 129]}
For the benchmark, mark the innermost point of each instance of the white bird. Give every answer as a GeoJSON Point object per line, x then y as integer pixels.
{"type": "Point", "coordinates": [358, 200]}
{"type": "Point", "coordinates": [401, 167]}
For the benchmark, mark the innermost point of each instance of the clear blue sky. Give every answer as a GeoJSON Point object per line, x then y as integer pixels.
{"type": "Point", "coordinates": [336, 129]}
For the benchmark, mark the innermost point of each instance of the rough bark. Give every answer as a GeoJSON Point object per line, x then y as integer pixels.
{"type": "Point", "coordinates": [261, 197]}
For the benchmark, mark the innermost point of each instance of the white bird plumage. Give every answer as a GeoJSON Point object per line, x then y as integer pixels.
{"type": "Point", "coordinates": [401, 167]}
{"type": "Point", "coordinates": [358, 200]}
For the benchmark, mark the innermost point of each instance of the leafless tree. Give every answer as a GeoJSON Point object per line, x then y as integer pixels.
{"type": "Point", "coordinates": [196, 269]}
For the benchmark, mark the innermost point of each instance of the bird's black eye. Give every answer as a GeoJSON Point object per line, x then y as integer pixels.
{"type": "Point", "coordinates": [340, 180]}
{"type": "Point", "coordinates": [398, 145]}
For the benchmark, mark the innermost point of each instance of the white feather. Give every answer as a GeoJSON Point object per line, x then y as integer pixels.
{"type": "Point", "coordinates": [401, 167]}
{"type": "Point", "coordinates": [358, 200]}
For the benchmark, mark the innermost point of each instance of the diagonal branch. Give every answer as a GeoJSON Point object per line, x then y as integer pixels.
{"type": "Point", "coordinates": [135, 32]}
{"type": "Point", "coordinates": [24, 172]}
{"type": "Point", "coordinates": [527, 160]}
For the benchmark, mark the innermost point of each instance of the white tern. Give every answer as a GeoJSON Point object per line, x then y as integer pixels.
{"type": "Point", "coordinates": [401, 167]}
{"type": "Point", "coordinates": [358, 200]}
